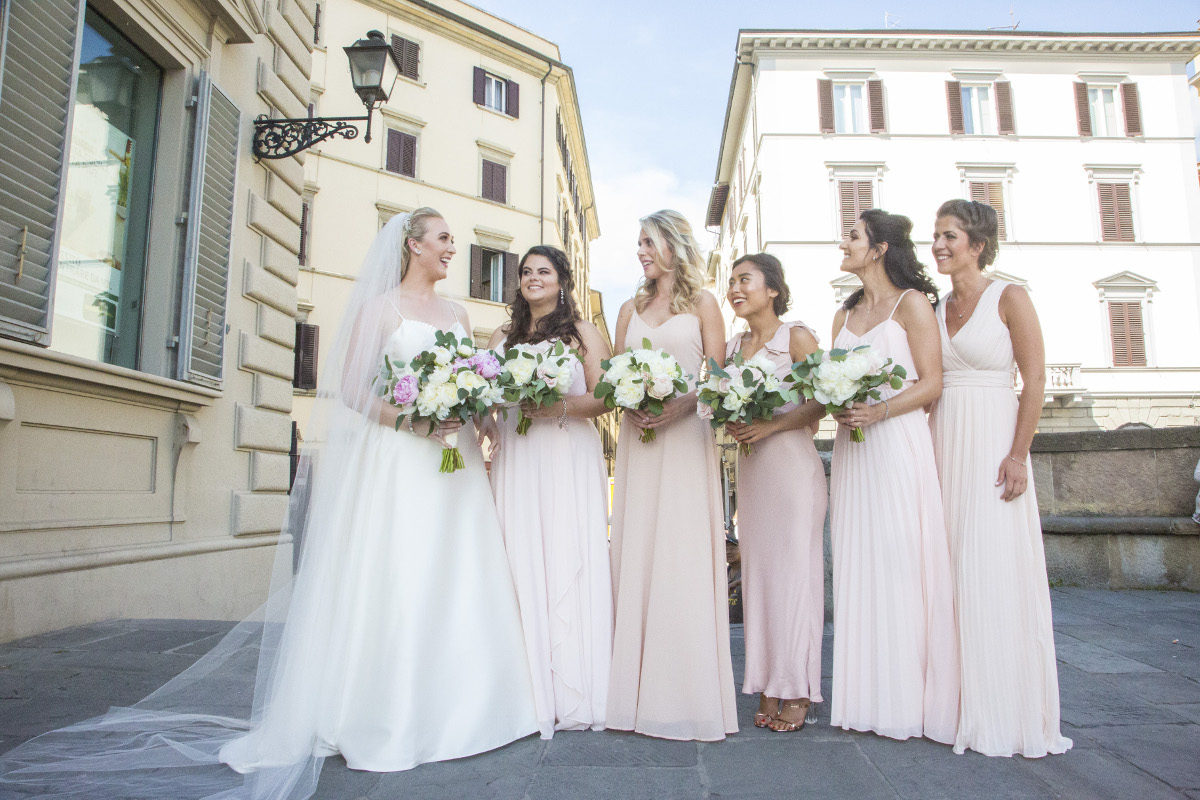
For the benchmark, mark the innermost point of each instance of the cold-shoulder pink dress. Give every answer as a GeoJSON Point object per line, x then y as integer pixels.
{"type": "Point", "coordinates": [895, 652]}
{"type": "Point", "coordinates": [672, 675]}
{"type": "Point", "coordinates": [782, 499]}
{"type": "Point", "coordinates": [1009, 672]}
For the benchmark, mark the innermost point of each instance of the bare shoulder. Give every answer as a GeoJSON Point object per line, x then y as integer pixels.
{"type": "Point", "coordinates": [802, 338]}
{"type": "Point", "coordinates": [627, 309]}
{"type": "Point", "coordinates": [1013, 296]}
{"type": "Point", "coordinates": [707, 303]}
{"type": "Point", "coordinates": [915, 307]}
{"type": "Point", "coordinates": [499, 334]}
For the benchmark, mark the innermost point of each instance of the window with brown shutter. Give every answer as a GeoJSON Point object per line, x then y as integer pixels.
{"type": "Point", "coordinates": [854, 197]}
{"type": "Point", "coordinates": [1083, 109]}
{"type": "Point", "coordinates": [304, 373]}
{"type": "Point", "coordinates": [479, 86]}
{"type": "Point", "coordinates": [303, 254]}
{"type": "Point", "coordinates": [825, 105]}
{"type": "Point", "coordinates": [511, 278]}
{"type": "Point", "coordinates": [1128, 337]}
{"type": "Point", "coordinates": [512, 99]}
{"type": "Point", "coordinates": [408, 56]}
{"type": "Point", "coordinates": [401, 153]}
{"type": "Point", "coordinates": [991, 193]}
{"type": "Point", "coordinates": [954, 107]}
{"type": "Point", "coordinates": [1116, 212]}
{"type": "Point", "coordinates": [495, 182]}
{"type": "Point", "coordinates": [1133, 109]}
{"type": "Point", "coordinates": [477, 272]}
{"type": "Point", "coordinates": [875, 104]}
{"type": "Point", "coordinates": [1006, 122]}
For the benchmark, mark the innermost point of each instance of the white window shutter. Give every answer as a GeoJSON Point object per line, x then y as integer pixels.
{"type": "Point", "coordinates": [209, 234]}
{"type": "Point", "coordinates": [42, 42]}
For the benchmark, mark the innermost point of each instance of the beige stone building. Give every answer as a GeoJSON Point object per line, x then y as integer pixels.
{"type": "Point", "coordinates": [483, 124]}
{"type": "Point", "coordinates": [147, 303]}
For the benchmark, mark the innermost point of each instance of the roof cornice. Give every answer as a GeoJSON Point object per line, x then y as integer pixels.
{"type": "Point", "coordinates": [1168, 44]}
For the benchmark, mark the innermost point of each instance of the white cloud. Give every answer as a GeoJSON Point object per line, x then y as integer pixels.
{"type": "Point", "coordinates": [622, 199]}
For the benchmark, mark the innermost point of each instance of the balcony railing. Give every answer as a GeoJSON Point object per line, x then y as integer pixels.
{"type": "Point", "coordinates": [1062, 383]}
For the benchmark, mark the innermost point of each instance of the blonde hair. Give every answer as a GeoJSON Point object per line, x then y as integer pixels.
{"type": "Point", "coordinates": [414, 228]}
{"type": "Point", "coordinates": [673, 239]}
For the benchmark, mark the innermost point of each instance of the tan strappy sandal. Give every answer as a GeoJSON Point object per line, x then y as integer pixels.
{"type": "Point", "coordinates": [762, 719]}
{"type": "Point", "coordinates": [781, 725]}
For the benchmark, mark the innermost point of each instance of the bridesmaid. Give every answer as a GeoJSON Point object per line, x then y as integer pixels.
{"type": "Point", "coordinates": [895, 655]}
{"type": "Point", "coordinates": [671, 672]}
{"type": "Point", "coordinates": [781, 487]}
{"type": "Point", "coordinates": [981, 438]}
{"type": "Point", "coordinates": [550, 487]}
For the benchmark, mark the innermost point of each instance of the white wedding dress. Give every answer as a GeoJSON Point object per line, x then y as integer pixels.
{"type": "Point", "coordinates": [403, 644]}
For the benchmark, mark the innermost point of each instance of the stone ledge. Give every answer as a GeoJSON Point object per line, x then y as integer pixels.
{"type": "Point", "coordinates": [1160, 526]}
{"type": "Point", "coordinates": [1127, 439]}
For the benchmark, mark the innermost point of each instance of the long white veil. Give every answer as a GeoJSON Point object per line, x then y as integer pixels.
{"type": "Point", "coordinates": [168, 745]}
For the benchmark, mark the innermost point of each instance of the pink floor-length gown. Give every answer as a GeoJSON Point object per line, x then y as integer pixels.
{"type": "Point", "coordinates": [1005, 631]}
{"type": "Point", "coordinates": [550, 487]}
{"type": "Point", "coordinates": [895, 653]}
{"type": "Point", "coordinates": [672, 676]}
{"type": "Point", "coordinates": [782, 499]}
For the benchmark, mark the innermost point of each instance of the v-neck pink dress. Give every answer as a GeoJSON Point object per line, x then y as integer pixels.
{"type": "Point", "coordinates": [782, 499]}
{"type": "Point", "coordinates": [1009, 672]}
{"type": "Point", "coordinates": [895, 652]}
{"type": "Point", "coordinates": [672, 675]}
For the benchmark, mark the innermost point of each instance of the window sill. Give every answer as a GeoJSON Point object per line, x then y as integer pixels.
{"type": "Point", "coordinates": [37, 366]}
{"type": "Point", "coordinates": [501, 204]}
{"type": "Point", "coordinates": [491, 110]}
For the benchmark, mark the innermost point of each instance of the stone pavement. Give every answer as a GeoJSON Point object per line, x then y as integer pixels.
{"type": "Point", "coordinates": [1129, 668]}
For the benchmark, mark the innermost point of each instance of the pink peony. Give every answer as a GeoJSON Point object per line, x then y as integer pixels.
{"type": "Point", "coordinates": [462, 363]}
{"type": "Point", "coordinates": [704, 411]}
{"type": "Point", "coordinates": [405, 392]}
{"type": "Point", "coordinates": [486, 364]}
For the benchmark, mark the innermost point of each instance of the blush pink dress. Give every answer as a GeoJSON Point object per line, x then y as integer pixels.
{"type": "Point", "coordinates": [895, 652]}
{"type": "Point", "coordinates": [672, 675]}
{"type": "Point", "coordinates": [781, 520]}
{"type": "Point", "coordinates": [550, 487]}
{"type": "Point", "coordinates": [1005, 631]}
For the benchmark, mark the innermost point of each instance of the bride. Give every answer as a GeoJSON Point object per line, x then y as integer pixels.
{"type": "Point", "coordinates": [398, 639]}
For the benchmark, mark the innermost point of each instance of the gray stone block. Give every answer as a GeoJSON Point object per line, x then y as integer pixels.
{"type": "Point", "coordinates": [798, 767]}
{"type": "Point", "coordinates": [611, 783]}
{"type": "Point", "coordinates": [1093, 658]}
{"type": "Point", "coordinates": [924, 770]}
{"type": "Point", "coordinates": [616, 749]}
{"type": "Point", "coordinates": [1096, 775]}
{"type": "Point", "coordinates": [1165, 751]}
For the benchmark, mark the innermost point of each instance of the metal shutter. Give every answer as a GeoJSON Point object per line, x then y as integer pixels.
{"type": "Point", "coordinates": [210, 229]}
{"type": "Point", "coordinates": [41, 58]}
{"type": "Point", "coordinates": [875, 101]}
{"type": "Point", "coordinates": [954, 107]}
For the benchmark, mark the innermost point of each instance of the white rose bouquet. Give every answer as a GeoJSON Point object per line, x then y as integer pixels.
{"type": "Point", "coordinates": [540, 374]}
{"type": "Point", "coordinates": [838, 378]}
{"type": "Point", "coordinates": [642, 380]}
{"type": "Point", "coordinates": [743, 391]}
{"type": "Point", "coordinates": [452, 379]}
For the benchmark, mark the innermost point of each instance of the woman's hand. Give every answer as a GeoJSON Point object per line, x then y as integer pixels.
{"type": "Point", "coordinates": [533, 411]}
{"type": "Point", "coordinates": [749, 433]}
{"type": "Point", "coordinates": [673, 409]}
{"type": "Point", "coordinates": [1013, 477]}
{"type": "Point", "coordinates": [440, 432]}
{"type": "Point", "coordinates": [860, 415]}
{"type": "Point", "coordinates": [488, 428]}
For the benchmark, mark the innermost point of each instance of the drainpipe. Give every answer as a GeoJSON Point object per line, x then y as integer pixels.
{"type": "Point", "coordinates": [542, 164]}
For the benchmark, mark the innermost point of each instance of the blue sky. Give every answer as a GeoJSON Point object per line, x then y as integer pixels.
{"type": "Point", "coordinates": [653, 79]}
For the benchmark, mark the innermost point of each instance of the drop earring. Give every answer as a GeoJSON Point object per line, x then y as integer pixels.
{"type": "Point", "coordinates": [561, 297]}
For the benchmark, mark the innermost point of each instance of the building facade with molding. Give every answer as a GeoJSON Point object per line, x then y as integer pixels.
{"type": "Point", "coordinates": [1082, 142]}
{"type": "Point", "coordinates": [483, 124]}
{"type": "Point", "coordinates": [147, 305]}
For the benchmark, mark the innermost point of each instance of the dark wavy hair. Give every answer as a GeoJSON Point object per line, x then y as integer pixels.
{"type": "Point", "coordinates": [900, 261]}
{"type": "Point", "coordinates": [979, 222]}
{"type": "Point", "coordinates": [772, 272]}
{"type": "Point", "coordinates": [559, 323]}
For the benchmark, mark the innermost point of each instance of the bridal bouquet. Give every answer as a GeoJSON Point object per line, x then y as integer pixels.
{"type": "Point", "coordinates": [838, 378]}
{"type": "Point", "coordinates": [451, 380]}
{"type": "Point", "coordinates": [641, 380]}
{"type": "Point", "coordinates": [743, 391]}
{"type": "Point", "coordinates": [537, 374]}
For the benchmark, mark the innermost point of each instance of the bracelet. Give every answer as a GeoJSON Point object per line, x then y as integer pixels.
{"type": "Point", "coordinates": [1015, 461]}
{"type": "Point", "coordinates": [562, 420]}
{"type": "Point", "coordinates": [886, 410]}
{"type": "Point", "coordinates": [410, 428]}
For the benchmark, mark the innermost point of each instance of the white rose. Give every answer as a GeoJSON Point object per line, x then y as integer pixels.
{"type": "Point", "coordinates": [629, 393]}
{"type": "Point", "coordinates": [466, 379]}
{"type": "Point", "coordinates": [733, 402]}
{"type": "Point", "coordinates": [466, 351]}
{"type": "Point", "coordinates": [762, 363]}
{"type": "Point", "coordinates": [856, 366]}
{"type": "Point", "coordinates": [661, 387]}
{"type": "Point", "coordinates": [438, 376]}
{"type": "Point", "coordinates": [441, 355]}
{"type": "Point", "coordinates": [618, 368]}
{"type": "Point", "coordinates": [521, 370]}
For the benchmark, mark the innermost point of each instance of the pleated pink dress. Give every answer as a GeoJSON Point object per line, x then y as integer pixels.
{"type": "Point", "coordinates": [782, 499]}
{"type": "Point", "coordinates": [1005, 633]}
{"type": "Point", "coordinates": [672, 676]}
{"type": "Point", "coordinates": [895, 652]}
{"type": "Point", "coordinates": [550, 487]}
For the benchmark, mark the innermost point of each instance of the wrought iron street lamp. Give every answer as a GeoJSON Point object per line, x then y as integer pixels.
{"type": "Point", "coordinates": [373, 71]}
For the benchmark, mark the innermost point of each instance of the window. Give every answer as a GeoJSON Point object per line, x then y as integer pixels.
{"type": "Point", "coordinates": [1116, 212]}
{"type": "Point", "coordinates": [1096, 109]}
{"type": "Point", "coordinates": [854, 197]}
{"type": "Point", "coordinates": [991, 193]}
{"type": "Point", "coordinates": [1128, 336]}
{"type": "Point", "coordinates": [496, 93]}
{"type": "Point", "coordinates": [493, 274]}
{"type": "Point", "coordinates": [408, 56]}
{"type": "Point", "coordinates": [401, 153]}
{"type": "Point", "coordinates": [851, 106]}
{"type": "Point", "coordinates": [980, 108]}
{"type": "Point", "coordinates": [495, 182]}
{"type": "Point", "coordinates": [304, 372]}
